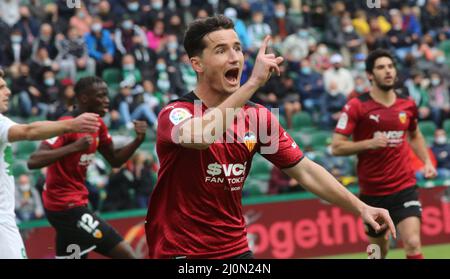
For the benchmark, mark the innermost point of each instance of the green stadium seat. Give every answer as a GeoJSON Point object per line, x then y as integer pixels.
{"type": "Point", "coordinates": [320, 139]}
{"type": "Point", "coordinates": [427, 128]}
{"type": "Point", "coordinates": [447, 127]}
{"type": "Point", "coordinates": [23, 149]}
{"type": "Point", "coordinates": [260, 167]}
{"type": "Point", "coordinates": [112, 77]}
{"type": "Point", "coordinates": [301, 120]}
{"type": "Point", "coordinates": [19, 168]}
{"type": "Point", "coordinates": [81, 74]}
{"type": "Point", "coordinates": [283, 122]}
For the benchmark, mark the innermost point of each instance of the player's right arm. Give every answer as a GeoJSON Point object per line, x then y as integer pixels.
{"type": "Point", "coordinates": [46, 155]}
{"type": "Point", "coordinates": [200, 132]}
{"type": "Point", "coordinates": [40, 130]}
{"type": "Point", "coordinates": [342, 146]}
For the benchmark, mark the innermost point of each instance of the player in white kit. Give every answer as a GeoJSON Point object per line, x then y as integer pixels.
{"type": "Point", "coordinates": [11, 244]}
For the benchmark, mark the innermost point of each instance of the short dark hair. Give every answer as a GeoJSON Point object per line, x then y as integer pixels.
{"type": "Point", "coordinates": [199, 28]}
{"type": "Point", "coordinates": [86, 83]}
{"type": "Point", "coordinates": [374, 55]}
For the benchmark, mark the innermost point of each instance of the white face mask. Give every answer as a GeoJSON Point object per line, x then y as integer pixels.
{"type": "Point", "coordinates": [25, 187]}
{"type": "Point", "coordinates": [96, 27]}
{"type": "Point", "coordinates": [441, 140]}
{"type": "Point", "coordinates": [435, 81]}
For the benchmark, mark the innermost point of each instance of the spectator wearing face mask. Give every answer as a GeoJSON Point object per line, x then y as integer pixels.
{"type": "Point", "coordinates": [17, 50]}
{"type": "Point", "coordinates": [331, 105]}
{"type": "Point", "coordinates": [310, 86]}
{"type": "Point", "coordinates": [361, 87]}
{"type": "Point", "coordinates": [257, 30]}
{"type": "Point", "coordinates": [441, 150]}
{"type": "Point", "coordinates": [439, 99]}
{"type": "Point", "coordinates": [27, 24]}
{"type": "Point", "coordinates": [341, 77]}
{"type": "Point", "coordinates": [129, 71]}
{"type": "Point", "coordinates": [123, 36]}
{"type": "Point", "coordinates": [82, 21]}
{"type": "Point", "coordinates": [100, 46]}
{"type": "Point", "coordinates": [155, 37]}
{"type": "Point", "coordinates": [27, 200]}
{"type": "Point", "coordinates": [239, 26]}
{"type": "Point", "coordinates": [46, 39]}
{"type": "Point", "coordinates": [72, 54]}
{"type": "Point", "coordinates": [145, 57]}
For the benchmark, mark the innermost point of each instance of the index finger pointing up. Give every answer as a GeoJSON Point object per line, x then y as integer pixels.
{"type": "Point", "coordinates": [263, 48]}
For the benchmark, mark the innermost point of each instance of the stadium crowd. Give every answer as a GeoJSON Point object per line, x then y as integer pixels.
{"type": "Point", "coordinates": [136, 47]}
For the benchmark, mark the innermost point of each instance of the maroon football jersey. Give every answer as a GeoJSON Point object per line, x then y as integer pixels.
{"type": "Point", "coordinates": [195, 209]}
{"type": "Point", "coordinates": [65, 182]}
{"type": "Point", "coordinates": [386, 170]}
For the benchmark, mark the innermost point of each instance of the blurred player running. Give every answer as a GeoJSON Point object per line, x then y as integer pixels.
{"type": "Point", "coordinates": [65, 195]}
{"type": "Point", "coordinates": [380, 122]}
{"type": "Point", "coordinates": [11, 244]}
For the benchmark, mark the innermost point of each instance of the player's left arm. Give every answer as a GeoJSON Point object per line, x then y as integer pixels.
{"type": "Point", "coordinates": [117, 157]}
{"type": "Point", "coordinates": [317, 180]}
{"type": "Point", "coordinates": [419, 146]}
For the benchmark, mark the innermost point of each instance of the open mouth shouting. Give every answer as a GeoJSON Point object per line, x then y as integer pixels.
{"type": "Point", "coordinates": [232, 76]}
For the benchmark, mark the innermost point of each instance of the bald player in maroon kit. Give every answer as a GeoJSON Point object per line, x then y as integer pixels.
{"type": "Point", "coordinates": [65, 195]}
{"type": "Point", "coordinates": [380, 123]}
{"type": "Point", "coordinates": [195, 210]}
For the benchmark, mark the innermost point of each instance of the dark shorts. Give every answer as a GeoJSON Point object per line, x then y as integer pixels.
{"type": "Point", "coordinates": [245, 256]}
{"type": "Point", "coordinates": [400, 205]}
{"type": "Point", "coordinates": [79, 231]}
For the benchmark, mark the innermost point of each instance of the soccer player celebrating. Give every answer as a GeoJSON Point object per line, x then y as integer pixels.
{"type": "Point", "coordinates": [11, 244]}
{"type": "Point", "coordinates": [65, 195]}
{"type": "Point", "coordinates": [379, 122]}
{"type": "Point", "coordinates": [195, 210]}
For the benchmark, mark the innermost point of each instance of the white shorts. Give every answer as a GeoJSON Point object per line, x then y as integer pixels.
{"type": "Point", "coordinates": [11, 244]}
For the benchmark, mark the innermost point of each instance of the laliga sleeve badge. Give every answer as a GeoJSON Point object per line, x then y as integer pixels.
{"type": "Point", "coordinates": [177, 115]}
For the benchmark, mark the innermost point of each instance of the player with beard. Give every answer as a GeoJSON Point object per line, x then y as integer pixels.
{"type": "Point", "coordinates": [380, 122]}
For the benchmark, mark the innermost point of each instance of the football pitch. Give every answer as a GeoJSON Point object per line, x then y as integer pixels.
{"type": "Point", "coordinates": [441, 251]}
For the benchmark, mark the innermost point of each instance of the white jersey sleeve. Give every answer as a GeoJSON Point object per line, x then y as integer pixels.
{"type": "Point", "coordinates": [5, 124]}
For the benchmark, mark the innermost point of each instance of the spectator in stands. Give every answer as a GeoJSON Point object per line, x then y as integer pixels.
{"type": "Point", "coordinates": [337, 74]}
{"type": "Point", "coordinates": [331, 105]}
{"type": "Point", "coordinates": [27, 90]}
{"type": "Point", "coordinates": [144, 57]}
{"type": "Point", "coordinates": [361, 87]}
{"type": "Point", "coordinates": [123, 36]}
{"type": "Point", "coordinates": [439, 99]}
{"type": "Point", "coordinates": [239, 26]}
{"type": "Point", "coordinates": [17, 50]}
{"type": "Point", "coordinates": [400, 38]}
{"type": "Point", "coordinates": [419, 94]}
{"type": "Point", "coordinates": [107, 17]}
{"type": "Point", "coordinates": [257, 30]}
{"type": "Point", "coordinates": [340, 167]}
{"type": "Point", "coordinates": [176, 27]}
{"type": "Point", "coordinates": [143, 178]}
{"type": "Point", "coordinates": [82, 20]}
{"type": "Point", "coordinates": [27, 200]}
{"type": "Point", "coordinates": [433, 17]}
{"type": "Point", "coordinates": [46, 40]}
{"type": "Point", "coordinates": [40, 63]}
{"type": "Point", "coordinates": [333, 27]}
{"type": "Point", "coordinates": [10, 12]}
{"type": "Point", "coordinates": [155, 36]}
{"type": "Point", "coordinates": [441, 150]}
{"type": "Point", "coordinates": [65, 102]}
{"type": "Point", "coordinates": [130, 73]}
{"type": "Point", "coordinates": [296, 46]}
{"type": "Point", "coordinates": [72, 55]}
{"type": "Point", "coordinates": [100, 46]}
{"type": "Point", "coordinates": [118, 190]}
{"type": "Point", "coordinates": [131, 106]}
{"type": "Point", "coordinates": [349, 41]}
{"type": "Point", "coordinates": [310, 86]}
{"type": "Point", "coordinates": [27, 24]}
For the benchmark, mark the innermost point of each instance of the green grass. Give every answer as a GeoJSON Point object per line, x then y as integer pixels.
{"type": "Point", "coordinates": [429, 252]}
